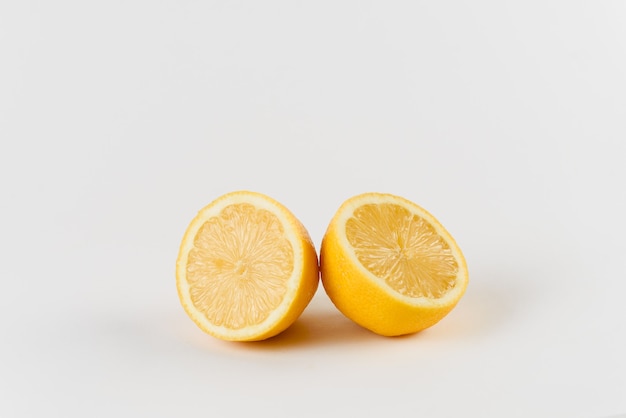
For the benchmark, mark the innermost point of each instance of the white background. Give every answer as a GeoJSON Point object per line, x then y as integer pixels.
{"type": "Point", "coordinates": [120, 119]}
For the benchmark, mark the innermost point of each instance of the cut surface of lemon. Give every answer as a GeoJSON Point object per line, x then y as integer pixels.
{"type": "Point", "coordinates": [390, 266]}
{"type": "Point", "coordinates": [246, 267]}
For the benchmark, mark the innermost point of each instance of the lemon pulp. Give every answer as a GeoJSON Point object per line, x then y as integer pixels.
{"type": "Point", "coordinates": [239, 266]}
{"type": "Point", "coordinates": [402, 249]}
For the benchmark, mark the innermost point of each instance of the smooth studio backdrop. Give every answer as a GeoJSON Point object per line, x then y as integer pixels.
{"type": "Point", "coordinates": [119, 120]}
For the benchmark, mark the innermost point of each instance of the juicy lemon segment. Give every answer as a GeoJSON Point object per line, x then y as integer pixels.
{"type": "Point", "coordinates": [402, 249]}
{"type": "Point", "coordinates": [390, 266]}
{"type": "Point", "coordinates": [246, 268]}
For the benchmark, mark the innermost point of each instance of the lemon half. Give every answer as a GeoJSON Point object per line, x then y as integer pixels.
{"type": "Point", "coordinates": [390, 266]}
{"type": "Point", "coordinates": [246, 267]}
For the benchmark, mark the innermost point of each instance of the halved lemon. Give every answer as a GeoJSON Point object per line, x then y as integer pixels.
{"type": "Point", "coordinates": [246, 268]}
{"type": "Point", "coordinates": [390, 266]}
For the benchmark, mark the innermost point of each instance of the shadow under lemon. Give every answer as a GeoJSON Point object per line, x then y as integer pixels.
{"type": "Point", "coordinates": [318, 327]}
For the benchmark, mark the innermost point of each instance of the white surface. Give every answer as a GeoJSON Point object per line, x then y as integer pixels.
{"type": "Point", "coordinates": [119, 120]}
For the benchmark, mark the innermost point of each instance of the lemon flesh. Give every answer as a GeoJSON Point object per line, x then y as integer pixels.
{"type": "Point", "coordinates": [402, 249]}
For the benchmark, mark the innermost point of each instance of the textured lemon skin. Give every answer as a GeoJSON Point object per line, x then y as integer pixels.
{"type": "Point", "coordinates": [305, 288]}
{"type": "Point", "coordinates": [371, 304]}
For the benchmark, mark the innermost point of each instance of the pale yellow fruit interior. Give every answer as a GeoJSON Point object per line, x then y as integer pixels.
{"type": "Point", "coordinates": [402, 249]}
{"type": "Point", "coordinates": [239, 266]}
